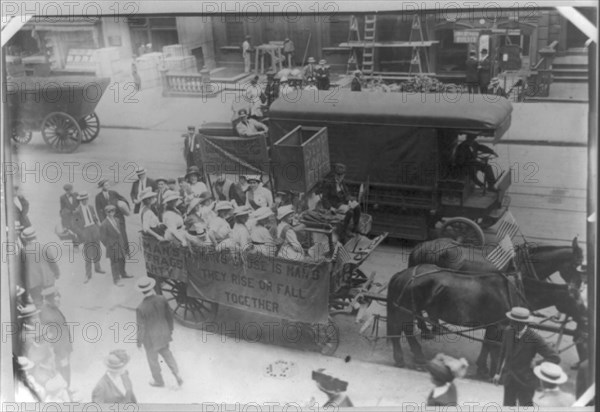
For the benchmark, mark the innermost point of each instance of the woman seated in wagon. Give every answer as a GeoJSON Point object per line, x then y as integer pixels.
{"type": "Point", "coordinates": [219, 230]}
{"type": "Point", "coordinates": [261, 237]}
{"type": "Point", "coordinates": [257, 195]}
{"type": "Point", "coordinates": [150, 223]}
{"type": "Point", "coordinates": [173, 220]}
{"type": "Point", "coordinates": [286, 236]}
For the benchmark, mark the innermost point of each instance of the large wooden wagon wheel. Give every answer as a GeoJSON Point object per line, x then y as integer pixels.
{"type": "Point", "coordinates": [20, 133]}
{"type": "Point", "coordinates": [90, 127]}
{"type": "Point", "coordinates": [190, 311]}
{"type": "Point", "coordinates": [463, 230]}
{"type": "Point", "coordinates": [61, 131]}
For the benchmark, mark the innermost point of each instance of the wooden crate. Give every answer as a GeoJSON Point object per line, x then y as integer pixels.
{"type": "Point", "coordinates": [301, 158]}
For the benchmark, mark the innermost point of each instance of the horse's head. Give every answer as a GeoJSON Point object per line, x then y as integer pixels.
{"type": "Point", "coordinates": [569, 269]}
{"type": "Point", "coordinates": [574, 306]}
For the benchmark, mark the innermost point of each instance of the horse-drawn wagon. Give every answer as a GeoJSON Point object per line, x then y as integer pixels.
{"type": "Point", "coordinates": [61, 107]}
{"type": "Point", "coordinates": [197, 280]}
{"type": "Point", "coordinates": [401, 147]}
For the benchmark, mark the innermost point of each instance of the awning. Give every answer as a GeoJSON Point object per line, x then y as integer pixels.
{"type": "Point", "coordinates": [66, 24]}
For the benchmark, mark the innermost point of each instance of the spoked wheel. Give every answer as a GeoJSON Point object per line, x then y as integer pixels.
{"type": "Point", "coordinates": [20, 134]}
{"type": "Point", "coordinates": [463, 230]}
{"type": "Point", "coordinates": [327, 336]}
{"type": "Point", "coordinates": [90, 127]}
{"type": "Point", "coordinates": [62, 132]}
{"type": "Point", "coordinates": [190, 311]}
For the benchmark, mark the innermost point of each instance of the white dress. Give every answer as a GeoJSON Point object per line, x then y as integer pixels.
{"type": "Point", "coordinates": [198, 188]}
{"type": "Point", "coordinates": [291, 248]}
{"type": "Point", "coordinates": [240, 237]}
{"type": "Point", "coordinates": [261, 197]}
{"type": "Point", "coordinates": [263, 241]}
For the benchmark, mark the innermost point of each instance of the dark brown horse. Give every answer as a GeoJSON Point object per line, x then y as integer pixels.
{"type": "Point", "coordinates": [545, 260]}
{"type": "Point", "coordinates": [464, 299]}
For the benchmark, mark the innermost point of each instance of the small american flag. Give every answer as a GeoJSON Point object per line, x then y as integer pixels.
{"type": "Point", "coordinates": [502, 254]}
{"type": "Point", "coordinates": [508, 226]}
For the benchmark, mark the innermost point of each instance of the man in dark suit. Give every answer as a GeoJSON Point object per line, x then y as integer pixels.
{"type": "Point", "coordinates": [112, 237]}
{"type": "Point", "coordinates": [87, 226]}
{"type": "Point", "coordinates": [472, 73]}
{"type": "Point", "coordinates": [154, 331]}
{"type": "Point", "coordinates": [356, 85]}
{"type": "Point", "coordinates": [191, 146]}
{"type": "Point", "coordinates": [57, 332]}
{"type": "Point", "coordinates": [115, 386]}
{"type": "Point", "coordinates": [337, 198]}
{"type": "Point", "coordinates": [138, 186]}
{"type": "Point", "coordinates": [484, 71]}
{"type": "Point", "coordinates": [519, 347]}
{"type": "Point", "coordinates": [110, 197]}
{"type": "Point", "coordinates": [467, 157]}
{"type": "Point", "coordinates": [68, 204]}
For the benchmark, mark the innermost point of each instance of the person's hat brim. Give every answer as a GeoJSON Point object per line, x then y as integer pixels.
{"type": "Point", "coordinates": [102, 182]}
{"type": "Point", "coordinates": [517, 317]}
{"type": "Point", "coordinates": [146, 284]}
{"type": "Point", "coordinates": [544, 376]}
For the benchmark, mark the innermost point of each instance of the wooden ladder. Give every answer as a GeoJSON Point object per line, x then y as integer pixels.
{"type": "Point", "coordinates": [369, 49]}
{"type": "Point", "coordinates": [416, 34]}
{"type": "Point", "coordinates": [353, 35]}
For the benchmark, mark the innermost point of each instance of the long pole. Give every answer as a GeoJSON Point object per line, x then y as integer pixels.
{"type": "Point", "coordinates": [306, 48]}
{"type": "Point", "coordinates": [592, 193]}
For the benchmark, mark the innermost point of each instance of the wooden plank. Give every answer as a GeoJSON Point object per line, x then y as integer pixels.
{"type": "Point", "coordinates": [408, 44]}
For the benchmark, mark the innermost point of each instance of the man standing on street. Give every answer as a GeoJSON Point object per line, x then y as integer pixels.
{"type": "Point", "coordinates": [551, 376]}
{"type": "Point", "coordinates": [246, 49]}
{"type": "Point", "coordinates": [484, 71]}
{"type": "Point", "coordinates": [57, 332]}
{"type": "Point", "coordinates": [519, 347]}
{"type": "Point", "coordinates": [68, 205]}
{"type": "Point", "coordinates": [86, 223]}
{"type": "Point", "coordinates": [110, 197]}
{"type": "Point", "coordinates": [111, 236]}
{"type": "Point", "coordinates": [471, 73]}
{"type": "Point", "coordinates": [154, 331]}
{"type": "Point", "coordinates": [38, 270]}
{"type": "Point", "coordinates": [138, 187]}
{"type": "Point", "coordinates": [191, 146]}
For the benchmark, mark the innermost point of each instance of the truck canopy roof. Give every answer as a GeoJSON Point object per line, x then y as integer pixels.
{"type": "Point", "coordinates": [488, 115]}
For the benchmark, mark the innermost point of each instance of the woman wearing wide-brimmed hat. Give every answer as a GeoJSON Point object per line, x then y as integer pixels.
{"type": "Point", "coordinates": [286, 236]}
{"type": "Point", "coordinates": [150, 223]}
{"type": "Point", "coordinates": [173, 220]}
{"type": "Point", "coordinates": [444, 369]}
{"type": "Point", "coordinates": [193, 176]}
{"type": "Point", "coordinates": [219, 230]}
{"type": "Point", "coordinates": [240, 235]}
{"type": "Point", "coordinates": [257, 195]}
{"type": "Point", "coordinates": [260, 234]}
{"type": "Point", "coordinates": [115, 386]}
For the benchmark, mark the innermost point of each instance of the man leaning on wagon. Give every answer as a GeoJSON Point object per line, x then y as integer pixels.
{"type": "Point", "coordinates": [249, 127]}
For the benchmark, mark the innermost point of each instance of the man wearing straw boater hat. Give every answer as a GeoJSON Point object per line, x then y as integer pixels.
{"type": "Point", "coordinates": [551, 376]}
{"type": "Point", "coordinates": [155, 330]}
{"type": "Point", "coordinates": [111, 197]}
{"type": "Point", "coordinates": [68, 205]}
{"type": "Point", "coordinates": [87, 227]}
{"type": "Point", "coordinates": [520, 345]}
{"type": "Point", "coordinates": [115, 386]}
{"type": "Point", "coordinates": [112, 237]}
{"type": "Point", "coordinates": [142, 182]}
